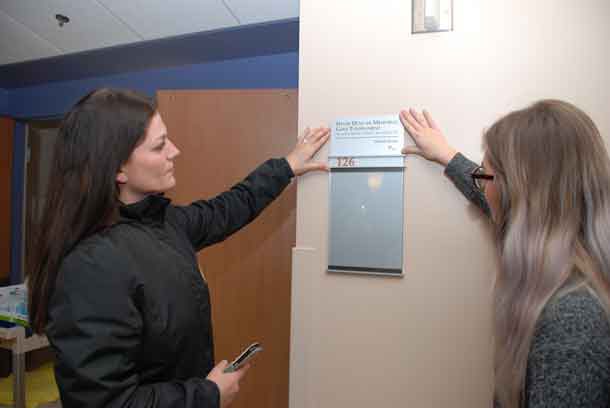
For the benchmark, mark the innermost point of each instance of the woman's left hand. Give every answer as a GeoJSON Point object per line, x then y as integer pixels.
{"type": "Point", "coordinates": [307, 146]}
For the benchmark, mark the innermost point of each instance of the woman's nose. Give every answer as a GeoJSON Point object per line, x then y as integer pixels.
{"type": "Point", "coordinates": [173, 151]}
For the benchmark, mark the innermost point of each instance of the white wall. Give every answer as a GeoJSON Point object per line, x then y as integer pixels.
{"type": "Point", "coordinates": [424, 340]}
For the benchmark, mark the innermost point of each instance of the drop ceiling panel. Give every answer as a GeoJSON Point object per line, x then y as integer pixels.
{"type": "Point", "coordinates": [162, 18]}
{"type": "Point", "coordinates": [258, 11]}
{"type": "Point", "coordinates": [91, 24]}
{"type": "Point", "coordinates": [18, 43]}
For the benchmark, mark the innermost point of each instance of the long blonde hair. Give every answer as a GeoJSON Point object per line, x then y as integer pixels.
{"type": "Point", "coordinates": [553, 224]}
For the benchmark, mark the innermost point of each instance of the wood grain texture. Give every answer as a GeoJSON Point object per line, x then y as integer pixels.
{"type": "Point", "coordinates": [223, 135]}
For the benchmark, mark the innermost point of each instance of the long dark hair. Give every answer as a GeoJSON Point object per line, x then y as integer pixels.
{"type": "Point", "coordinates": [95, 138]}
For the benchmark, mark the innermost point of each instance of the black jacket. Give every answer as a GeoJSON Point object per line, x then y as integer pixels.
{"type": "Point", "coordinates": [130, 318]}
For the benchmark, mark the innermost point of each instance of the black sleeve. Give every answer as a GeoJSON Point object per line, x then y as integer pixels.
{"type": "Point", "coordinates": [207, 222]}
{"type": "Point", "coordinates": [570, 356]}
{"type": "Point", "coordinates": [458, 170]}
{"type": "Point", "coordinates": [94, 328]}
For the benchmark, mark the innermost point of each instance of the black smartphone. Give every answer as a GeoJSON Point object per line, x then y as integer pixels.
{"type": "Point", "coordinates": [246, 355]}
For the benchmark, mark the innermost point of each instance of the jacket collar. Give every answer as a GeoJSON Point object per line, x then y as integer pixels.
{"type": "Point", "coordinates": [150, 209]}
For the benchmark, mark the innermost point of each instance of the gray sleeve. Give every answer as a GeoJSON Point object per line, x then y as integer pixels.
{"type": "Point", "coordinates": [458, 171]}
{"type": "Point", "coordinates": [569, 360]}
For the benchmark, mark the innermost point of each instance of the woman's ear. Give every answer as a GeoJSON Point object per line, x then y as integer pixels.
{"type": "Point", "coordinates": [121, 177]}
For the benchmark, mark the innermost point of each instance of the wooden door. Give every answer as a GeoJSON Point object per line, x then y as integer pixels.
{"type": "Point", "coordinates": [7, 127]}
{"type": "Point", "coordinates": [42, 136]}
{"type": "Point", "coordinates": [32, 185]}
{"type": "Point", "coordinates": [223, 135]}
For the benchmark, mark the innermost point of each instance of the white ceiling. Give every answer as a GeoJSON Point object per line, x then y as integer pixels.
{"type": "Point", "coordinates": [29, 30]}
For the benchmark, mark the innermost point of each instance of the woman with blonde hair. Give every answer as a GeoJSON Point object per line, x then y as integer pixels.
{"type": "Point", "coordinates": [545, 183]}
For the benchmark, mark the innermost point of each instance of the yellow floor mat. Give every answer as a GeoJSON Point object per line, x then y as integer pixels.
{"type": "Point", "coordinates": [40, 387]}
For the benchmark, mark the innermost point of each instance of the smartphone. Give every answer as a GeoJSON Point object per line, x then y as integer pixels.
{"type": "Point", "coordinates": [246, 355]}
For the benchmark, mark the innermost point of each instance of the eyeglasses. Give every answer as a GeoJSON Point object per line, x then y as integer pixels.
{"type": "Point", "coordinates": [479, 178]}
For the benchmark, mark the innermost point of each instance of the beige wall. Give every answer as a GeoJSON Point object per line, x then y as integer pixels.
{"type": "Point", "coordinates": [424, 340]}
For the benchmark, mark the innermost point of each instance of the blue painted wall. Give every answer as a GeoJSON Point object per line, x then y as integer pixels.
{"type": "Point", "coordinates": [52, 99]}
{"type": "Point", "coordinates": [55, 98]}
{"type": "Point", "coordinates": [255, 40]}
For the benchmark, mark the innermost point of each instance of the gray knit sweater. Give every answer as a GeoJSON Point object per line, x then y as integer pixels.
{"type": "Point", "coordinates": [569, 360]}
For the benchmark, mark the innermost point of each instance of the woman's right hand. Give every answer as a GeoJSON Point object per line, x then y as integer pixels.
{"type": "Point", "coordinates": [430, 142]}
{"type": "Point", "coordinates": [228, 383]}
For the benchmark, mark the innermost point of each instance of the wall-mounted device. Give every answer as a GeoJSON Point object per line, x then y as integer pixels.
{"type": "Point", "coordinates": [366, 196]}
{"type": "Point", "coordinates": [432, 16]}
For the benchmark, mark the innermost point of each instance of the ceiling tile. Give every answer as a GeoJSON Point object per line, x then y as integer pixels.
{"type": "Point", "coordinates": [18, 43]}
{"type": "Point", "coordinates": [162, 18]}
{"type": "Point", "coordinates": [257, 11]}
{"type": "Point", "coordinates": [91, 24]}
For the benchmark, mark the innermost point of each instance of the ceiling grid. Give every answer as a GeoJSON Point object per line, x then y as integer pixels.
{"type": "Point", "coordinates": [130, 28]}
{"type": "Point", "coordinates": [29, 30]}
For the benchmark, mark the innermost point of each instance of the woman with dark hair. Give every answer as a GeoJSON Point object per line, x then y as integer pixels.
{"type": "Point", "coordinates": [545, 183]}
{"type": "Point", "coordinates": [114, 281]}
